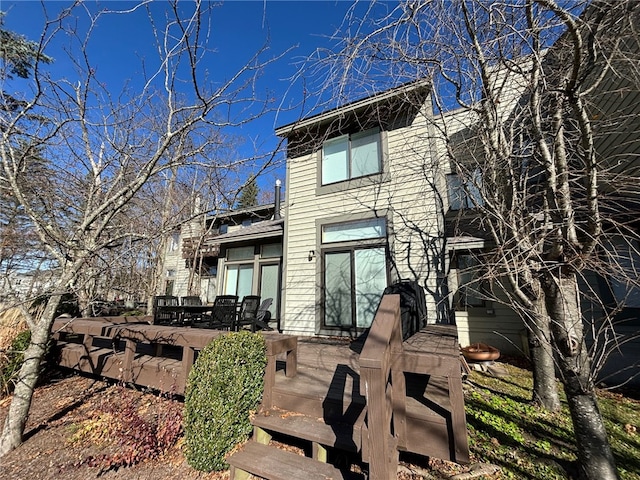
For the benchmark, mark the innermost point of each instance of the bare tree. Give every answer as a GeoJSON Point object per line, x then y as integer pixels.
{"type": "Point", "coordinates": [100, 149]}
{"type": "Point", "coordinates": [532, 102]}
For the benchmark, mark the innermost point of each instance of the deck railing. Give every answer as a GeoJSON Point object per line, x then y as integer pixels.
{"type": "Point", "coordinates": [384, 360]}
{"type": "Point", "coordinates": [93, 345]}
{"type": "Point", "coordinates": [383, 390]}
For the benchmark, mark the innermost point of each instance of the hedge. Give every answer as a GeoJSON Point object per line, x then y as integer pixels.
{"type": "Point", "coordinates": [224, 386]}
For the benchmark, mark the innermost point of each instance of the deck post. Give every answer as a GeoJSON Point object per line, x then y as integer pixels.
{"type": "Point", "coordinates": [381, 350]}
{"type": "Point", "coordinates": [381, 461]}
{"type": "Point", "coordinates": [87, 344]}
{"type": "Point", "coordinates": [458, 418]}
{"type": "Point", "coordinates": [188, 357]}
{"type": "Point", "coordinates": [129, 354]}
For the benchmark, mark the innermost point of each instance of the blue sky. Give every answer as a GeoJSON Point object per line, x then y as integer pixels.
{"type": "Point", "coordinates": [240, 28]}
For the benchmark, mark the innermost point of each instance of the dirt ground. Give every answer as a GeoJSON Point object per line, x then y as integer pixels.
{"type": "Point", "coordinates": [64, 432]}
{"type": "Point", "coordinates": [68, 433]}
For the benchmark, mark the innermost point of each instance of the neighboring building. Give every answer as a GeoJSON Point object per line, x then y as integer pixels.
{"type": "Point", "coordinates": [235, 253]}
{"type": "Point", "coordinates": [25, 285]}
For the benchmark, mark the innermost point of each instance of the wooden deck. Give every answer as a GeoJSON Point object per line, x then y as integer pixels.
{"type": "Point", "coordinates": [132, 350]}
{"type": "Point", "coordinates": [372, 397]}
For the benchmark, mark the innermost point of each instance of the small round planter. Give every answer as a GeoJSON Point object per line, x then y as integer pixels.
{"type": "Point", "coordinates": [480, 352]}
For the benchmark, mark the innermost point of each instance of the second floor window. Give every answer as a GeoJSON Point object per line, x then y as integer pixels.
{"type": "Point", "coordinates": [465, 192]}
{"type": "Point", "coordinates": [351, 156]}
{"type": "Point", "coordinates": [174, 241]}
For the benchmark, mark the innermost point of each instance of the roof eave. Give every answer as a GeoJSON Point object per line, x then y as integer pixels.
{"type": "Point", "coordinates": [286, 130]}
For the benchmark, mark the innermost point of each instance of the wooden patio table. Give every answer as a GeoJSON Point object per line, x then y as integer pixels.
{"type": "Point", "coordinates": [190, 339]}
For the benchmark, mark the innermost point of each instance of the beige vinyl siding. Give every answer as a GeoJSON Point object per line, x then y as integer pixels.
{"type": "Point", "coordinates": [299, 273]}
{"type": "Point", "coordinates": [503, 328]}
{"type": "Point", "coordinates": [173, 261]}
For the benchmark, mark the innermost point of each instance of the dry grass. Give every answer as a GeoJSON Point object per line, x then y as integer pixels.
{"type": "Point", "coordinates": [11, 324]}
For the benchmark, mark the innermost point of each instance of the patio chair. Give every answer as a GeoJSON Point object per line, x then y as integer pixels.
{"type": "Point", "coordinates": [264, 315]}
{"type": "Point", "coordinates": [248, 312]}
{"type": "Point", "coordinates": [223, 312]}
{"type": "Point", "coordinates": [162, 316]}
{"type": "Point", "coordinates": [189, 317]}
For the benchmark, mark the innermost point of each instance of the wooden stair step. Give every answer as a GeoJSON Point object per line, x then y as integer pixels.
{"type": "Point", "coordinates": [338, 435]}
{"type": "Point", "coordinates": [273, 463]}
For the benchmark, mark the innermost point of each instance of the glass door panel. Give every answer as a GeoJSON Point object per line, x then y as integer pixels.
{"type": "Point", "coordinates": [269, 286]}
{"type": "Point", "coordinates": [238, 281]}
{"type": "Point", "coordinates": [370, 282]}
{"type": "Point", "coordinates": [245, 280]}
{"type": "Point", "coordinates": [337, 282]}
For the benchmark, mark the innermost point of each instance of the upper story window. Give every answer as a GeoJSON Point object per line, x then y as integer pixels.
{"type": "Point", "coordinates": [351, 156]}
{"type": "Point", "coordinates": [174, 241]}
{"type": "Point", "coordinates": [464, 192]}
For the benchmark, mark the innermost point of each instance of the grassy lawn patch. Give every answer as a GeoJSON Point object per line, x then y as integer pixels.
{"type": "Point", "coordinates": [505, 429]}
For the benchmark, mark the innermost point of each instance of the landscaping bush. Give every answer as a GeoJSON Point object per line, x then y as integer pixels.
{"type": "Point", "coordinates": [224, 386]}
{"type": "Point", "coordinates": [11, 361]}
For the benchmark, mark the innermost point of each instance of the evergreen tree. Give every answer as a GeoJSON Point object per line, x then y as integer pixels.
{"type": "Point", "coordinates": [18, 57]}
{"type": "Point", "coordinates": [248, 195]}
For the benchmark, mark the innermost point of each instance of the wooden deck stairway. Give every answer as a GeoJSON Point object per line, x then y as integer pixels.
{"type": "Point", "coordinates": [368, 401]}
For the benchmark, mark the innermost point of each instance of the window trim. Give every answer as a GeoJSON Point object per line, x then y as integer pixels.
{"type": "Point", "coordinates": [459, 299]}
{"type": "Point", "coordinates": [350, 183]}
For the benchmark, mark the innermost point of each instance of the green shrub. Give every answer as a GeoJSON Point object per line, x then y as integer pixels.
{"type": "Point", "coordinates": [12, 361]}
{"type": "Point", "coordinates": [224, 386]}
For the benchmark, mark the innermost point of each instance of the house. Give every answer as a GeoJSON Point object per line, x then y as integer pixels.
{"type": "Point", "coordinates": [232, 253]}
{"type": "Point", "coordinates": [372, 201]}
{"type": "Point", "coordinates": [364, 211]}
{"type": "Point", "coordinates": [367, 203]}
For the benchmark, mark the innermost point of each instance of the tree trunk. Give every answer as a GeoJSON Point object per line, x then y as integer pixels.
{"type": "Point", "coordinates": [545, 387]}
{"type": "Point", "coordinates": [28, 377]}
{"type": "Point", "coordinates": [595, 458]}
